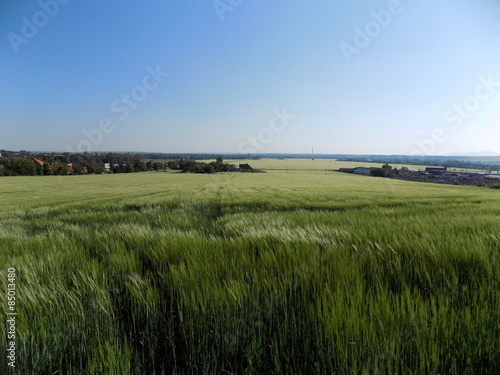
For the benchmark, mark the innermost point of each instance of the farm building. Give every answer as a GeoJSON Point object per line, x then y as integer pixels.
{"type": "Point", "coordinates": [435, 170]}
{"type": "Point", "coordinates": [245, 167]}
{"type": "Point", "coordinates": [363, 170]}
{"type": "Point", "coordinates": [346, 170]}
{"type": "Point", "coordinates": [493, 177]}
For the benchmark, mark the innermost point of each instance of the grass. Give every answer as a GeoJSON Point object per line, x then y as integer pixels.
{"type": "Point", "coordinates": [277, 273]}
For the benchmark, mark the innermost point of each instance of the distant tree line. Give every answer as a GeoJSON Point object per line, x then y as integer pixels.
{"type": "Point", "coordinates": [117, 157]}
{"type": "Point", "coordinates": [191, 166]}
{"type": "Point", "coordinates": [85, 157]}
{"type": "Point", "coordinates": [24, 163]}
{"type": "Point", "coordinates": [20, 166]}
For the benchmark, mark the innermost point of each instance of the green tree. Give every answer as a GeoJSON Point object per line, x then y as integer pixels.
{"type": "Point", "coordinates": [140, 166]}
{"type": "Point", "coordinates": [63, 170]}
{"type": "Point", "coordinates": [47, 171]}
{"type": "Point", "coordinates": [128, 168]}
{"type": "Point", "coordinates": [91, 169]}
{"type": "Point", "coordinates": [190, 166]}
{"type": "Point", "coordinates": [208, 169]}
{"type": "Point", "coordinates": [22, 167]}
{"type": "Point", "coordinates": [80, 170]}
{"type": "Point", "coordinates": [378, 172]}
{"type": "Point", "coordinates": [39, 169]}
{"type": "Point", "coordinates": [173, 165]}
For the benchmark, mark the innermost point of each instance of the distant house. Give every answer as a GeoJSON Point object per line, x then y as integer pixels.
{"type": "Point", "coordinates": [2, 166]}
{"type": "Point", "coordinates": [245, 167]}
{"type": "Point", "coordinates": [106, 166]}
{"type": "Point", "coordinates": [493, 177]}
{"type": "Point", "coordinates": [363, 171]}
{"type": "Point", "coordinates": [346, 170]}
{"type": "Point", "coordinates": [173, 164]}
{"type": "Point", "coordinates": [38, 161]}
{"type": "Point", "coordinates": [435, 170]}
{"type": "Point", "coordinates": [75, 165]}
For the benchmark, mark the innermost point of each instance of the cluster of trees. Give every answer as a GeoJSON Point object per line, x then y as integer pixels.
{"type": "Point", "coordinates": [85, 157]}
{"type": "Point", "coordinates": [26, 167]}
{"type": "Point", "coordinates": [103, 157]}
{"type": "Point", "coordinates": [19, 166]}
{"type": "Point", "coordinates": [382, 172]}
{"type": "Point", "coordinates": [191, 166]}
{"type": "Point", "coordinates": [22, 163]}
{"type": "Point", "coordinates": [138, 166]}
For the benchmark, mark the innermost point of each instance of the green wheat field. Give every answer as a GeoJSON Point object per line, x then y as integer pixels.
{"type": "Point", "coordinates": [299, 270]}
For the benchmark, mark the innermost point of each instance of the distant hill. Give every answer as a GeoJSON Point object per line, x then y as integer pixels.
{"type": "Point", "coordinates": [479, 153]}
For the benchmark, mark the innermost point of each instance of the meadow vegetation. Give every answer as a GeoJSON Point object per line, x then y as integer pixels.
{"type": "Point", "coordinates": [285, 272]}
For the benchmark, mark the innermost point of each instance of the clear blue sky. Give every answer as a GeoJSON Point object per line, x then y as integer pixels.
{"type": "Point", "coordinates": [345, 79]}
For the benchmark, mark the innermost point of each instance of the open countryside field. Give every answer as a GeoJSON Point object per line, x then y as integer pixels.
{"type": "Point", "coordinates": [284, 272]}
{"type": "Point", "coordinates": [319, 164]}
{"type": "Point", "coordinates": [309, 164]}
